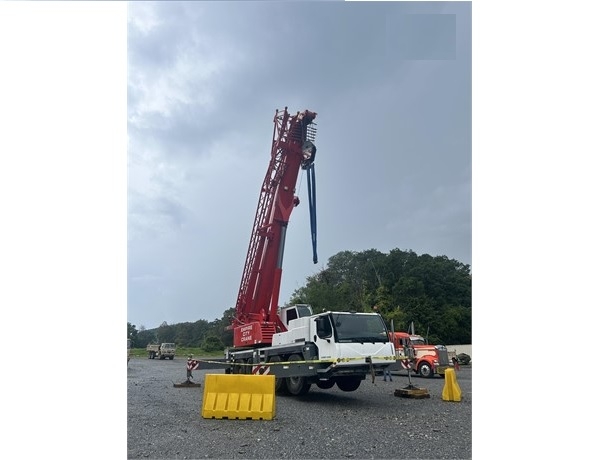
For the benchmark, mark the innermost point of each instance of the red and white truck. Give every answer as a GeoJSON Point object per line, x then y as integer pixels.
{"type": "Point", "coordinates": [299, 347]}
{"type": "Point", "coordinates": [425, 360]}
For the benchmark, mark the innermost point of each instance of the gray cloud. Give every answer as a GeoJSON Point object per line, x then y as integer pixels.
{"type": "Point", "coordinates": [391, 83]}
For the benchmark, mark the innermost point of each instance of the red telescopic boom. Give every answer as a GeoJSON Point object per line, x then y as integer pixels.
{"type": "Point", "coordinates": [256, 317]}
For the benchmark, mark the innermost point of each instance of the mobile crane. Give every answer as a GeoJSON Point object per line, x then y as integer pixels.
{"type": "Point", "coordinates": [300, 348]}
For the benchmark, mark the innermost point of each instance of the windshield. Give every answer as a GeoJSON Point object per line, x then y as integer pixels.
{"type": "Point", "coordinates": [417, 340]}
{"type": "Point", "coordinates": [354, 327]}
{"type": "Point", "coordinates": [304, 310]}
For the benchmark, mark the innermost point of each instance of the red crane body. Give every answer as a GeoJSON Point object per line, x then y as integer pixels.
{"type": "Point", "coordinates": [256, 318]}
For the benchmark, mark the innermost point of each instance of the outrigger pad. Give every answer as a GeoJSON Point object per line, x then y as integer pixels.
{"type": "Point", "coordinates": [239, 396]}
{"type": "Point", "coordinates": [412, 391]}
{"type": "Point", "coordinates": [187, 384]}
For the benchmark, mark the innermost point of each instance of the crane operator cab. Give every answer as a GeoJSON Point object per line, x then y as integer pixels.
{"type": "Point", "coordinates": [289, 313]}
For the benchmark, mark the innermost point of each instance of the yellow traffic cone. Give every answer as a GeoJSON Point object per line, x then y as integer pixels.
{"type": "Point", "coordinates": [451, 391]}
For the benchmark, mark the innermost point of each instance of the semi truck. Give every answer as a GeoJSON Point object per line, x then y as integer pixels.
{"type": "Point", "coordinates": [331, 348]}
{"type": "Point", "coordinates": [425, 360]}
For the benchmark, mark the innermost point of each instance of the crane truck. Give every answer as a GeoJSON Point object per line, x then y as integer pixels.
{"type": "Point", "coordinates": [292, 343]}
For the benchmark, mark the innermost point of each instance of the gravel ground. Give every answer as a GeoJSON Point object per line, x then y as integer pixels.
{"type": "Point", "coordinates": [164, 422]}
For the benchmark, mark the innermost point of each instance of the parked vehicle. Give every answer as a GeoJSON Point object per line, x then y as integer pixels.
{"type": "Point", "coordinates": [426, 360]}
{"type": "Point", "coordinates": [162, 351]}
{"type": "Point", "coordinates": [463, 358]}
{"type": "Point", "coordinates": [298, 347]}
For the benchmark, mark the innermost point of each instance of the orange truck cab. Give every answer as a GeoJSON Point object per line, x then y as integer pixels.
{"type": "Point", "coordinates": [426, 360]}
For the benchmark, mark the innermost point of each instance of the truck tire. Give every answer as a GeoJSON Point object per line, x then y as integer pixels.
{"type": "Point", "coordinates": [237, 368]}
{"type": "Point", "coordinates": [325, 384]}
{"type": "Point", "coordinates": [171, 357]}
{"type": "Point", "coordinates": [297, 386]}
{"type": "Point", "coordinates": [348, 383]}
{"type": "Point", "coordinates": [425, 370]}
{"type": "Point", "coordinates": [280, 386]}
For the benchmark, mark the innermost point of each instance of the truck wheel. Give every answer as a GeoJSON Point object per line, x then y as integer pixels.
{"type": "Point", "coordinates": [297, 386]}
{"type": "Point", "coordinates": [425, 370]}
{"type": "Point", "coordinates": [348, 383]}
{"type": "Point", "coordinates": [237, 368]}
{"type": "Point", "coordinates": [280, 386]}
{"type": "Point", "coordinates": [161, 357]}
{"type": "Point", "coordinates": [325, 384]}
{"type": "Point", "coordinates": [171, 357]}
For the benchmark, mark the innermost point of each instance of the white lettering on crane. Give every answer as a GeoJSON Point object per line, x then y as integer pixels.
{"type": "Point", "coordinates": [246, 332]}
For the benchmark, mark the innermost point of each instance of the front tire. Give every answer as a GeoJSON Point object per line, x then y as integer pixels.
{"type": "Point", "coordinates": [425, 370]}
{"type": "Point", "coordinates": [325, 384]}
{"type": "Point", "coordinates": [348, 383]}
{"type": "Point", "coordinates": [297, 386]}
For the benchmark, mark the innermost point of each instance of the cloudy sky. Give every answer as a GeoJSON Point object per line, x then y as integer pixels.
{"type": "Point", "coordinates": [391, 85]}
{"type": "Point", "coordinates": [84, 228]}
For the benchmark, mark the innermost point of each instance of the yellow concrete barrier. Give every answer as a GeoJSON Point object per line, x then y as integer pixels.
{"type": "Point", "coordinates": [239, 396]}
{"type": "Point", "coordinates": [451, 391]}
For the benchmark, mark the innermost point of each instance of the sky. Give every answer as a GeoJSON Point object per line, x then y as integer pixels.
{"type": "Point", "coordinates": [391, 85]}
{"type": "Point", "coordinates": [66, 149]}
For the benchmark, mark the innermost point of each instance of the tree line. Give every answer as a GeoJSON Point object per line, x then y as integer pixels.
{"type": "Point", "coordinates": [209, 336]}
{"type": "Point", "coordinates": [432, 293]}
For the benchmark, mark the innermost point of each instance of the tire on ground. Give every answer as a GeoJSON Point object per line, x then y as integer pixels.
{"type": "Point", "coordinates": [297, 386]}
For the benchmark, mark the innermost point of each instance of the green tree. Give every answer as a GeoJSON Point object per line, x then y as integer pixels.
{"type": "Point", "coordinates": [212, 343]}
{"type": "Point", "coordinates": [166, 333]}
{"type": "Point", "coordinates": [432, 292]}
{"type": "Point", "coordinates": [145, 337]}
{"type": "Point", "coordinates": [184, 335]}
{"type": "Point", "coordinates": [132, 334]}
